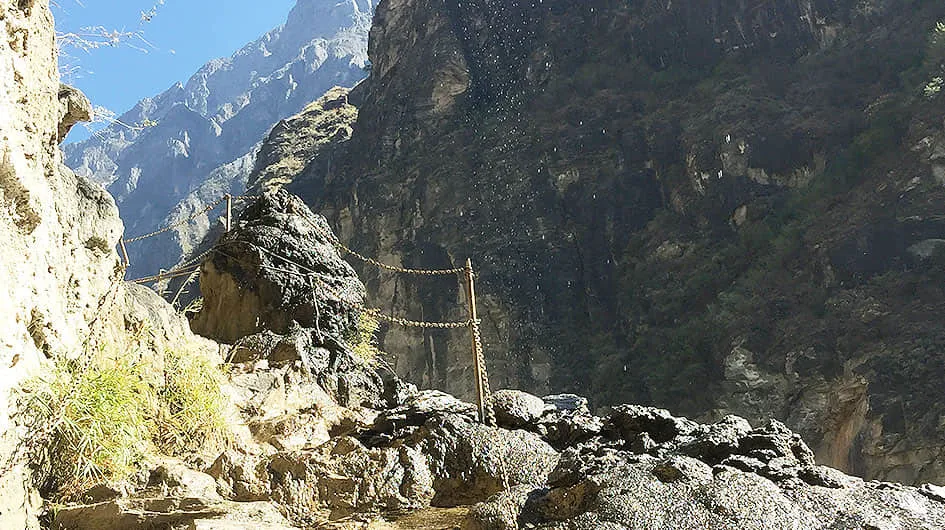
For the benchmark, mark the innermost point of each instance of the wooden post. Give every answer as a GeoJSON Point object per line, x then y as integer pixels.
{"type": "Point", "coordinates": [124, 252]}
{"type": "Point", "coordinates": [474, 332]}
{"type": "Point", "coordinates": [229, 211]}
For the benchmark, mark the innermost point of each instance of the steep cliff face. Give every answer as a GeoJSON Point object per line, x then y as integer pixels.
{"type": "Point", "coordinates": [714, 207]}
{"type": "Point", "coordinates": [174, 153]}
{"type": "Point", "coordinates": [58, 232]}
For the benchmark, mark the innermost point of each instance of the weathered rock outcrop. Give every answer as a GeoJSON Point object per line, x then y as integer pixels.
{"type": "Point", "coordinates": [313, 138]}
{"type": "Point", "coordinates": [553, 464]}
{"type": "Point", "coordinates": [264, 275]}
{"type": "Point", "coordinates": [323, 436]}
{"type": "Point", "coordinates": [58, 233]}
{"type": "Point", "coordinates": [652, 470]}
{"type": "Point", "coordinates": [174, 153]}
{"type": "Point", "coordinates": [713, 208]}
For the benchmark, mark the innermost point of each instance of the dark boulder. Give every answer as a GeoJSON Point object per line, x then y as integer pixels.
{"type": "Point", "coordinates": [278, 266]}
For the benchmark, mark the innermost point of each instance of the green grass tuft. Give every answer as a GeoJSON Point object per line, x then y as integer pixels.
{"type": "Point", "coordinates": [192, 407]}
{"type": "Point", "coordinates": [363, 339]}
{"type": "Point", "coordinates": [98, 419]}
{"type": "Point", "coordinates": [95, 420]}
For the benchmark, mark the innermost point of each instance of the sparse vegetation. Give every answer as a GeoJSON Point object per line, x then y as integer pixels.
{"type": "Point", "coordinates": [94, 418]}
{"type": "Point", "coordinates": [99, 417]}
{"type": "Point", "coordinates": [192, 409]}
{"type": "Point", "coordinates": [935, 61]}
{"type": "Point", "coordinates": [363, 339]}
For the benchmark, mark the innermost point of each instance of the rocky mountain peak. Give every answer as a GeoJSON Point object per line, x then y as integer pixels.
{"type": "Point", "coordinates": [322, 16]}
{"type": "Point", "coordinates": [172, 153]}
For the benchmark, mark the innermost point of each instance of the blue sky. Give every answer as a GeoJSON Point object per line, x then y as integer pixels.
{"type": "Point", "coordinates": [182, 36]}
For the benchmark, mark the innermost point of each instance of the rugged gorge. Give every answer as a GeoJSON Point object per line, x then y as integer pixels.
{"type": "Point", "coordinates": [172, 154]}
{"type": "Point", "coordinates": [114, 415]}
{"type": "Point", "coordinates": [716, 207]}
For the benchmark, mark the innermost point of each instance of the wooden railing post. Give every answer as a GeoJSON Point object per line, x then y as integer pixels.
{"type": "Point", "coordinates": [124, 252]}
{"type": "Point", "coordinates": [229, 212]}
{"type": "Point", "coordinates": [474, 336]}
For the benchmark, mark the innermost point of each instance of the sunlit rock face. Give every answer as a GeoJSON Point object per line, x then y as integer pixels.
{"type": "Point", "coordinates": [703, 206]}
{"type": "Point", "coordinates": [57, 232]}
{"type": "Point", "coordinates": [173, 153]}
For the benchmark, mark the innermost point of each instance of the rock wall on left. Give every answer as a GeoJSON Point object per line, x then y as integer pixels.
{"type": "Point", "coordinates": [57, 233]}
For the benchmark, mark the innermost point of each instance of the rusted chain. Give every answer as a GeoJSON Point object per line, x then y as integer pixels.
{"type": "Point", "coordinates": [180, 223]}
{"type": "Point", "coordinates": [414, 323]}
{"type": "Point", "coordinates": [314, 275]}
{"type": "Point", "coordinates": [402, 270]}
{"type": "Point", "coordinates": [490, 411]}
{"type": "Point", "coordinates": [185, 268]}
{"type": "Point", "coordinates": [175, 273]}
{"type": "Point", "coordinates": [422, 272]}
{"type": "Point", "coordinates": [196, 259]}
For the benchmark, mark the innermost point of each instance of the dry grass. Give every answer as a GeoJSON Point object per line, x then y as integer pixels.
{"type": "Point", "coordinates": [192, 407]}
{"type": "Point", "coordinates": [96, 420]}
{"type": "Point", "coordinates": [363, 339]}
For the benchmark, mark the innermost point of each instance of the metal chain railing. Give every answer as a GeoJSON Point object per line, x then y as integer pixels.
{"type": "Point", "coordinates": [326, 234]}
{"type": "Point", "coordinates": [177, 224]}
{"type": "Point", "coordinates": [338, 297]}
{"type": "Point", "coordinates": [191, 269]}
{"type": "Point", "coordinates": [393, 268]}
{"type": "Point", "coordinates": [171, 274]}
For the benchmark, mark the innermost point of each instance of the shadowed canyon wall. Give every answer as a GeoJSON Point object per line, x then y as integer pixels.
{"type": "Point", "coordinates": [711, 206]}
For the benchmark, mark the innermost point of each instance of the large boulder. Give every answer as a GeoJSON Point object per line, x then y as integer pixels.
{"type": "Point", "coordinates": [595, 488]}
{"type": "Point", "coordinates": [772, 450]}
{"type": "Point", "coordinates": [314, 361]}
{"type": "Point", "coordinates": [277, 267]}
{"type": "Point", "coordinates": [568, 421]}
{"type": "Point", "coordinates": [515, 409]}
{"type": "Point", "coordinates": [471, 462]}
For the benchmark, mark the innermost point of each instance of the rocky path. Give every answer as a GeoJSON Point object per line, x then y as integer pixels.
{"type": "Point", "coordinates": [326, 439]}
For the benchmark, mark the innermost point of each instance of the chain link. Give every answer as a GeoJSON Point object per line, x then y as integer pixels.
{"type": "Point", "coordinates": [196, 259]}
{"type": "Point", "coordinates": [180, 223]}
{"type": "Point", "coordinates": [185, 268]}
{"type": "Point", "coordinates": [480, 356]}
{"type": "Point", "coordinates": [415, 323]}
{"type": "Point", "coordinates": [402, 270]}
{"type": "Point", "coordinates": [175, 273]}
{"type": "Point", "coordinates": [422, 272]}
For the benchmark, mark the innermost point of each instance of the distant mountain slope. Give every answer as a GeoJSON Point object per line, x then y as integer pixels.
{"type": "Point", "coordinates": [201, 137]}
